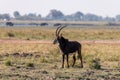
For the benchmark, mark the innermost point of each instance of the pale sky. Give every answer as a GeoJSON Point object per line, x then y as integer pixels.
{"type": "Point", "coordinates": [100, 7]}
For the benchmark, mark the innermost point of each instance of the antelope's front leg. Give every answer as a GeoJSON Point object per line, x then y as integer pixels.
{"type": "Point", "coordinates": [67, 59]}
{"type": "Point", "coordinates": [74, 58]}
{"type": "Point", "coordinates": [63, 59]}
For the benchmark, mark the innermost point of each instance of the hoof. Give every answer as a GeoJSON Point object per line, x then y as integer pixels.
{"type": "Point", "coordinates": [62, 67]}
{"type": "Point", "coordinates": [81, 66]}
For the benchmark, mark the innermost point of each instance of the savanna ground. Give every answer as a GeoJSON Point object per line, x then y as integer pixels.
{"type": "Point", "coordinates": [23, 56]}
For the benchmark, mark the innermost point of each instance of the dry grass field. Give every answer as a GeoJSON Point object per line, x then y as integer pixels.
{"type": "Point", "coordinates": [48, 33]}
{"type": "Point", "coordinates": [42, 61]}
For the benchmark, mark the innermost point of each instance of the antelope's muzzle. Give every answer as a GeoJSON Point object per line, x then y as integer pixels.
{"type": "Point", "coordinates": [55, 41]}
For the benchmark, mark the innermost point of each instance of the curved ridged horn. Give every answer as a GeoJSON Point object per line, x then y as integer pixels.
{"type": "Point", "coordinates": [61, 29]}
{"type": "Point", "coordinates": [57, 30]}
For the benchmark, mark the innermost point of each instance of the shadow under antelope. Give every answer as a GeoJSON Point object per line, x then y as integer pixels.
{"type": "Point", "coordinates": [67, 47]}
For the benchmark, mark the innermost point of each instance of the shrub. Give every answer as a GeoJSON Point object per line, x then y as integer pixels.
{"type": "Point", "coordinates": [8, 63]}
{"type": "Point", "coordinates": [10, 34]}
{"type": "Point", "coordinates": [94, 64]}
{"type": "Point", "coordinates": [44, 60]}
{"type": "Point", "coordinates": [30, 65]}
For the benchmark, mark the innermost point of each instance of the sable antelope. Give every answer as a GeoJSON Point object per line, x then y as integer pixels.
{"type": "Point", "coordinates": [67, 47]}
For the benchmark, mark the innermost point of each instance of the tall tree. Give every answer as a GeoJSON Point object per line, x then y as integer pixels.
{"type": "Point", "coordinates": [77, 16]}
{"type": "Point", "coordinates": [92, 17]}
{"type": "Point", "coordinates": [16, 14]}
{"type": "Point", "coordinates": [118, 18]}
{"type": "Point", "coordinates": [5, 16]}
{"type": "Point", "coordinates": [55, 14]}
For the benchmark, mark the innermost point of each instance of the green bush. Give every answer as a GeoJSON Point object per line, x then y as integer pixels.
{"type": "Point", "coordinates": [8, 63]}
{"type": "Point", "coordinates": [44, 60]}
{"type": "Point", "coordinates": [94, 64]}
{"type": "Point", "coordinates": [10, 34]}
{"type": "Point", "coordinates": [30, 64]}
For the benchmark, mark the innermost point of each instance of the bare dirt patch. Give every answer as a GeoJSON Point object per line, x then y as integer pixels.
{"type": "Point", "coordinates": [14, 41]}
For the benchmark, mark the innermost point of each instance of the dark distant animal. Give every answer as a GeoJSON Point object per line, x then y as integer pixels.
{"type": "Point", "coordinates": [33, 24]}
{"type": "Point", "coordinates": [67, 47]}
{"type": "Point", "coordinates": [44, 24]}
{"type": "Point", "coordinates": [57, 24]}
{"type": "Point", "coordinates": [9, 24]}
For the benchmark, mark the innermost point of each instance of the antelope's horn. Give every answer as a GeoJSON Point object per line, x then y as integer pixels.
{"type": "Point", "coordinates": [57, 30]}
{"type": "Point", "coordinates": [61, 29]}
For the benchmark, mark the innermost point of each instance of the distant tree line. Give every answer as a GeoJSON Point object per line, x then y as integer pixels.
{"type": "Point", "coordinates": [58, 15]}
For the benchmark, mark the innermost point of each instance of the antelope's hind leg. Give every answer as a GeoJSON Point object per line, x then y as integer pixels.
{"type": "Point", "coordinates": [80, 56]}
{"type": "Point", "coordinates": [74, 60]}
